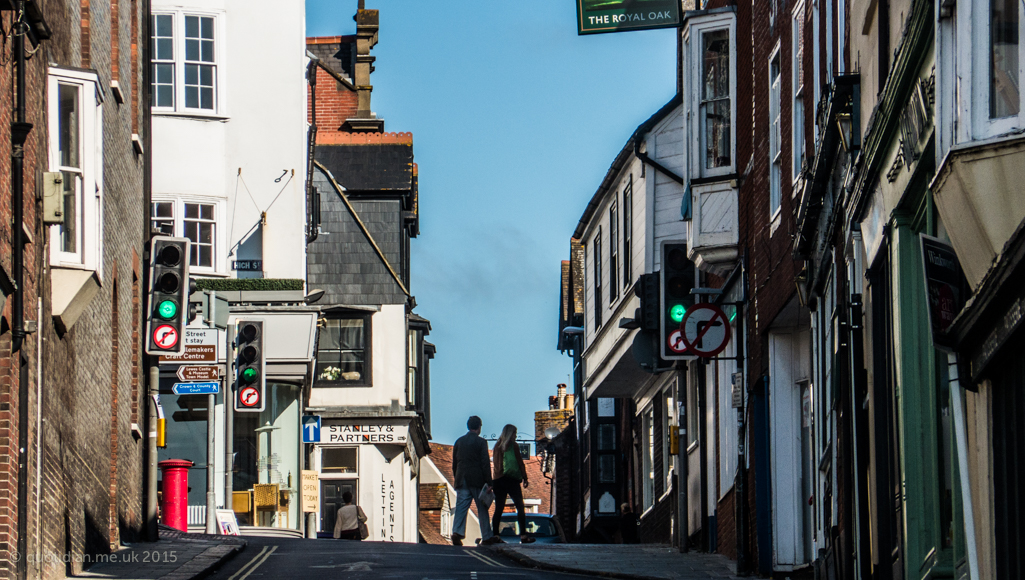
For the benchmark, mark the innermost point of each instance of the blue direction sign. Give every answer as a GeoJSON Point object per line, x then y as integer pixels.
{"type": "Point", "coordinates": [311, 428]}
{"type": "Point", "coordinates": [196, 388]}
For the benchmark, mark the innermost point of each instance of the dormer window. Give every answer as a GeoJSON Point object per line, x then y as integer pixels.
{"type": "Point", "coordinates": [710, 53]}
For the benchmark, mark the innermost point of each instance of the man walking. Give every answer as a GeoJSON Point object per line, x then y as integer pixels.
{"type": "Point", "coordinates": [471, 469]}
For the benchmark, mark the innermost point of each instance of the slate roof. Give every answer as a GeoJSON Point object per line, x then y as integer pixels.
{"type": "Point", "coordinates": [337, 52]}
{"type": "Point", "coordinates": [370, 167]}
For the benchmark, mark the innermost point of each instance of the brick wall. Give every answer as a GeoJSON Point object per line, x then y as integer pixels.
{"type": "Point", "coordinates": [335, 101]}
{"type": "Point", "coordinates": [90, 497]}
{"type": "Point", "coordinates": [545, 419]}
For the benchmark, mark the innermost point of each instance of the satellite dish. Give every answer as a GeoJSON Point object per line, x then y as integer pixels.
{"type": "Point", "coordinates": [552, 433]}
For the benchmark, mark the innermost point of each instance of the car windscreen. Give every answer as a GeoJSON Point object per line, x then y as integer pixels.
{"type": "Point", "coordinates": [537, 526]}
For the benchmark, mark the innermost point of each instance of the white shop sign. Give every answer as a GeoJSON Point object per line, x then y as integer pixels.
{"type": "Point", "coordinates": [365, 434]}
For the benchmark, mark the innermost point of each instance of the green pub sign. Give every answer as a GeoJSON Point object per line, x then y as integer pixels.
{"type": "Point", "coordinates": [596, 16]}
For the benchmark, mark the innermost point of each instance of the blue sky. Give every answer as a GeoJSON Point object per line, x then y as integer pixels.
{"type": "Point", "coordinates": [515, 120]}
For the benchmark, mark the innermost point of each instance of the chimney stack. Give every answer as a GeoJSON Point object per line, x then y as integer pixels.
{"type": "Point", "coordinates": [562, 396]}
{"type": "Point", "coordinates": [366, 38]}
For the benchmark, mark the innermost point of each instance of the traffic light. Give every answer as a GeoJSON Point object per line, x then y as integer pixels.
{"type": "Point", "coordinates": [169, 289]}
{"type": "Point", "coordinates": [647, 315]}
{"type": "Point", "coordinates": [249, 366]}
{"type": "Point", "coordinates": [677, 277]}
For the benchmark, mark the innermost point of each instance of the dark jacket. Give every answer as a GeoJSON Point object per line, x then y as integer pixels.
{"type": "Point", "coordinates": [471, 466]}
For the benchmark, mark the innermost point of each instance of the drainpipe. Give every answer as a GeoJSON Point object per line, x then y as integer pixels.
{"type": "Point", "coordinates": [19, 133]}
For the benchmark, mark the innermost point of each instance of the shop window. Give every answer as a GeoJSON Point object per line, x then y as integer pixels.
{"type": "Point", "coordinates": [338, 460]}
{"type": "Point", "coordinates": [648, 462]}
{"type": "Point", "coordinates": [342, 354]}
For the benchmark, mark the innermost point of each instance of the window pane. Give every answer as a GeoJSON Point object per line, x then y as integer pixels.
{"type": "Point", "coordinates": [191, 74]}
{"type": "Point", "coordinates": [163, 85]}
{"type": "Point", "coordinates": [206, 211]}
{"type": "Point", "coordinates": [717, 134]}
{"type": "Point", "coordinates": [207, 26]}
{"type": "Point", "coordinates": [67, 111]}
{"type": "Point", "coordinates": [606, 437]}
{"type": "Point", "coordinates": [206, 53]}
{"type": "Point", "coordinates": [715, 98]}
{"type": "Point", "coordinates": [338, 460]}
{"type": "Point", "coordinates": [191, 26]}
{"type": "Point", "coordinates": [163, 209]}
{"type": "Point", "coordinates": [69, 229]}
{"type": "Point", "coordinates": [1004, 99]}
{"type": "Point", "coordinates": [164, 49]}
{"type": "Point", "coordinates": [162, 24]}
{"type": "Point", "coordinates": [606, 468]}
{"type": "Point", "coordinates": [191, 49]}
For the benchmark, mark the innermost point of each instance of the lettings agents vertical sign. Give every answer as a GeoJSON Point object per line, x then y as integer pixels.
{"type": "Point", "coordinates": [596, 16]}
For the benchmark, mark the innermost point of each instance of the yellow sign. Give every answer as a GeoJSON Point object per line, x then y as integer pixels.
{"type": "Point", "coordinates": [311, 490]}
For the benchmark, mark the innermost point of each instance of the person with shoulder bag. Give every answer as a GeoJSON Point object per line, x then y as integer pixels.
{"type": "Point", "coordinates": [509, 473]}
{"type": "Point", "coordinates": [351, 522]}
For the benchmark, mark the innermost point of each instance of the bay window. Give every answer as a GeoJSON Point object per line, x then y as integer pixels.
{"type": "Point", "coordinates": [711, 89]}
{"type": "Point", "coordinates": [76, 152]}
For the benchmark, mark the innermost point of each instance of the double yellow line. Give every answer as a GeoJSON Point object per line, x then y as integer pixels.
{"type": "Point", "coordinates": [253, 564]}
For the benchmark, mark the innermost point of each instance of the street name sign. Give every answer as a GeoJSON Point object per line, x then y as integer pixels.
{"type": "Point", "coordinates": [211, 388]}
{"type": "Point", "coordinates": [192, 374]}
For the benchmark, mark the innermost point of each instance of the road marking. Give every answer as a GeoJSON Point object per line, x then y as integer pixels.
{"type": "Point", "coordinates": [349, 567]}
{"type": "Point", "coordinates": [487, 560]}
{"type": "Point", "coordinates": [253, 564]}
{"type": "Point", "coordinates": [473, 576]}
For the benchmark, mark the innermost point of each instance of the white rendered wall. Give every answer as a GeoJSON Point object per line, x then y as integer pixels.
{"type": "Point", "coordinates": [388, 365]}
{"type": "Point", "coordinates": [259, 128]}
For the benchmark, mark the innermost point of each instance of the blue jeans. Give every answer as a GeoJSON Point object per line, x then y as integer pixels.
{"type": "Point", "coordinates": [463, 498]}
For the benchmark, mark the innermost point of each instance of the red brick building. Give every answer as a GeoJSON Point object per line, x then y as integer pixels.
{"type": "Point", "coordinates": [69, 356]}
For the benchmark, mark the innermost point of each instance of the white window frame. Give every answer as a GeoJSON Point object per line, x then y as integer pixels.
{"type": "Point", "coordinates": [797, 144]}
{"type": "Point", "coordinates": [220, 50]}
{"type": "Point", "coordinates": [973, 23]}
{"type": "Point", "coordinates": [693, 35]}
{"type": "Point", "coordinates": [775, 135]}
{"type": "Point", "coordinates": [220, 265]}
{"type": "Point", "coordinates": [89, 214]}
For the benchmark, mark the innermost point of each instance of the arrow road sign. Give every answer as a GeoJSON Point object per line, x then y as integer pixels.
{"type": "Point", "coordinates": [196, 388]}
{"type": "Point", "coordinates": [197, 374]}
{"type": "Point", "coordinates": [165, 336]}
{"type": "Point", "coordinates": [311, 428]}
{"type": "Point", "coordinates": [706, 330]}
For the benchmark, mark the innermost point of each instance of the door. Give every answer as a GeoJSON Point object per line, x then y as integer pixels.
{"type": "Point", "coordinates": [331, 499]}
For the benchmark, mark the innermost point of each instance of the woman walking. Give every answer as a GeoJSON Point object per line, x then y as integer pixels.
{"type": "Point", "coordinates": [509, 472]}
{"type": "Point", "coordinates": [351, 521]}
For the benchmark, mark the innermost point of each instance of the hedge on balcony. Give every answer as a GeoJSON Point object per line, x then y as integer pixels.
{"type": "Point", "coordinates": [248, 284]}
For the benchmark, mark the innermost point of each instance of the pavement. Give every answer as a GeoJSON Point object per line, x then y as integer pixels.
{"type": "Point", "coordinates": [176, 556]}
{"type": "Point", "coordinates": [632, 561]}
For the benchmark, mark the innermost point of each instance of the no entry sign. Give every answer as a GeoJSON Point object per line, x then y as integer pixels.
{"type": "Point", "coordinates": [706, 330]}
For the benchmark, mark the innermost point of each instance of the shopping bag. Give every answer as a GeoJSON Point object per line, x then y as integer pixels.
{"type": "Point", "coordinates": [487, 496]}
{"type": "Point", "coordinates": [364, 532]}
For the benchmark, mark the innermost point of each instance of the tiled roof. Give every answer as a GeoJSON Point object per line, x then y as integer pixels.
{"type": "Point", "coordinates": [430, 527]}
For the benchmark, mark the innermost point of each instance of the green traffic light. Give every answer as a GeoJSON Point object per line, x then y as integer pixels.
{"type": "Point", "coordinates": [249, 375]}
{"type": "Point", "coordinates": [167, 309]}
{"type": "Point", "coordinates": [677, 312]}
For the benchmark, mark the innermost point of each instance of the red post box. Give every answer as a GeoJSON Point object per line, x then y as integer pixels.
{"type": "Point", "coordinates": [174, 501]}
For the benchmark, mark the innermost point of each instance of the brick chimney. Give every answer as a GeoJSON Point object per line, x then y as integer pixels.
{"type": "Point", "coordinates": [366, 38]}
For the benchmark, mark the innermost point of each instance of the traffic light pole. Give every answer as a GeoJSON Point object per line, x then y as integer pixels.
{"type": "Point", "coordinates": [151, 444]}
{"type": "Point", "coordinates": [211, 495]}
{"type": "Point", "coordinates": [229, 418]}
